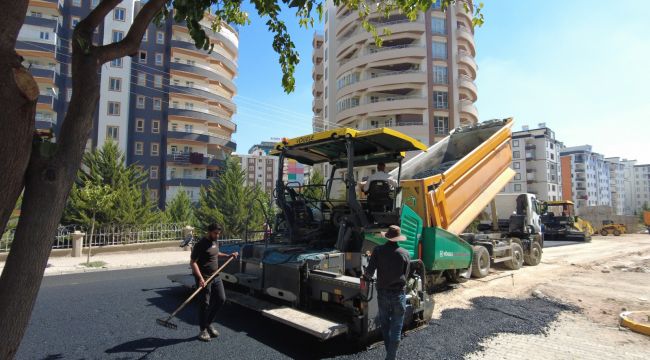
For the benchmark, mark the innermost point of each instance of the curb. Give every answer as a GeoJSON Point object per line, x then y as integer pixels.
{"type": "Point", "coordinates": [68, 270]}
{"type": "Point", "coordinates": [633, 325]}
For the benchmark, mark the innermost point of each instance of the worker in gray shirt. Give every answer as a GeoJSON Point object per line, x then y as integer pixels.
{"type": "Point", "coordinates": [392, 265]}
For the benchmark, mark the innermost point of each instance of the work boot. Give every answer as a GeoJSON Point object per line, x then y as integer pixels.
{"type": "Point", "coordinates": [213, 331]}
{"type": "Point", "coordinates": [204, 335]}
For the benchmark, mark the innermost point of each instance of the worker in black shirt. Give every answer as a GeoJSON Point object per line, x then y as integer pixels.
{"type": "Point", "coordinates": [204, 262]}
{"type": "Point", "coordinates": [392, 265]}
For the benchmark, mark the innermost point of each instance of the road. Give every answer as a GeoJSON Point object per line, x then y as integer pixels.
{"type": "Point", "coordinates": [112, 314]}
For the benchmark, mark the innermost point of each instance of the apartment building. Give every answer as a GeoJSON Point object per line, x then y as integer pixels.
{"type": "Point", "coordinates": [292, 171]}
{"type": "Point", "coordinates": [169, 107]}
{"type": "Point", "coordinates": [617, 184]}
{"type": "Point", "coordinates": [420, 81]}
{"type": "Point", "coordinates": [536, 161]}
{"type": "Point", "coordinates": [261, 169]}
{"type": "Point", "coordinates": [641, 187]}
{"type": "Point", "coordinates": [585, 177]}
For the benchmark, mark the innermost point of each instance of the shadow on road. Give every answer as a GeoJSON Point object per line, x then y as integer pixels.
{"type": "Point", "coordinates": [455, 334]}
{"type": "Point", "coordinates": [146, 345]}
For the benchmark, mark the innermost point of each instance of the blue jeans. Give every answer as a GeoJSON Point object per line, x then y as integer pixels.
{"type": "Point", "coordinates": [392, 306]}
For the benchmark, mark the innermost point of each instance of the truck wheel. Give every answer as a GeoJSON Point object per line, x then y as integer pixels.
{"type": "Point", "coordinates": [535, 255]}
{"type": "Point", "coordinates": [617, 233]}
{"type": "Point", "coordinates": [517, 257]}
{"type": "Point", "coordinates": [480, 262]}
{"type": "Point", "coordinates": [603, 232]}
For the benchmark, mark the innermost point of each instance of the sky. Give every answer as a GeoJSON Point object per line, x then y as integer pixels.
{"type": "Point", "coordinates": [579, 66]}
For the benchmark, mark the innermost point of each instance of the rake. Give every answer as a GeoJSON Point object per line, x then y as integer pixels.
{"type": "Point", "coordinates": [166, 322]}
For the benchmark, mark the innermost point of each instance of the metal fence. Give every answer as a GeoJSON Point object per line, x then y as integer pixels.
{"type": "Point", "coordinates": [122, 235]}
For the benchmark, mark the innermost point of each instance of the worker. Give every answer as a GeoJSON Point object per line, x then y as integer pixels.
{"type": "Point", "coordinates": [204, 262]}
{"type": "Point", "coordinates": [380, 174]}
{"type": "Point", "coordinates": [392, 265]}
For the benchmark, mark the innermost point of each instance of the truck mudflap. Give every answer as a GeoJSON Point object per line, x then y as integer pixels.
{"type": "Point", "coordinates": [319, 327]}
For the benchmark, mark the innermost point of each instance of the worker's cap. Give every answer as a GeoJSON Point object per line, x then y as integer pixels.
{"type": "Point", "coordinates": [394, 233]}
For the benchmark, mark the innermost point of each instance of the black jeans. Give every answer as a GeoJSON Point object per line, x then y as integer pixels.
{"type": "Point", "coordinates": [210, 301]}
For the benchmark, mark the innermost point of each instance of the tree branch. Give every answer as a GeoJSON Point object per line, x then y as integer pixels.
{"type": "Point", "coordinates": [96, 17]}
{"type": "Point", "coordinates": [131, 42]}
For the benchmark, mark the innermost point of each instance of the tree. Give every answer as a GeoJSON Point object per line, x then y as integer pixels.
{"type": "Point", "coordinates": [179, 210]}
{"type": "Point", "coordinates": [47, 176]}
{"type": "Point", "coordinates": [96, 199]}
{"type": "Point", "coordinates": [106, 167]}
{"type": "Point", "coordinates": [314, 188]}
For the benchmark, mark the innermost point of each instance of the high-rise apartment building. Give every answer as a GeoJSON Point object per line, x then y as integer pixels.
{"type": "Point", "coordinates": [585, 177]}
{"type": "Point", "coordinates": [260, 169]}
{"type": "Point", "coordinates": [420, 81]}
{"type": "Point", "coordinates": [617, 184]}
{"type": "Point", "coordinates": [169, 107]}
{"type": "Point", "coordinates": [641, 186]}
{"type": "Point", "coordinates": [536, 161]}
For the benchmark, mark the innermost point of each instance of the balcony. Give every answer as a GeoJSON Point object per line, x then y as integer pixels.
{"type": "Point", "coordinates": [467, 63]}
{"type": "Point", "coordinates": [317, 72]}
{"type": "Point", "coordinates": [460, 11]}
{"type": "Point", "coordinates": [385, 80]}
{"type": "Point", "coordinates": [188, 181]}
{"type": "Point", "coordinates": [316, 104]}
{"type": "Point", "coordinates": [43, 71]}
{"type": "Point", "coordinates": [46, 47]}
{"type": "Point", "coordinates": [194, 158]}
{"type": "Point", "coordinates": [468, 110]}
{"type": "Point", "coordinates": [47, 100]}
{"type": "Point", "coordinates": [468, 88]}
{"type": "Point", "coordinates": [202, 92]}
{"type": "Point", "coordinates": [384, 104]}
{"type": "Point", "coordinates": [374, 55]}
{"type": "Point", "coordinates": [230, 64]}
{"type": "Point", "coordinates": [205, 71]}
{"type": "Point", "coordinates": [202, 114]}
{"type": "Point", "coordinates": [530, 147]}
{"type": "Point", "coordinates": [41, 21]}
{"type": "Point", "coordinates": [466, 36]}
{"type": "Point", "coordinates": [187, 136]}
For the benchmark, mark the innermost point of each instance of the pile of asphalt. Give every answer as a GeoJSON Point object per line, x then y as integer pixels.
{"type": "Point", "coordinates": [459, 332]}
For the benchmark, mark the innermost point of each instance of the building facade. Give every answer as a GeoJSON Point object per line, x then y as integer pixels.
{"type": "Point", "coordinates": [641, 187]}
{"type": "Point", "coordinates": [420, 81]}
{"type": "Point", "coordinates": [585, 177]}
{"type": "Point", "coordinates": [536, 161]}
{"type": "Point", "coordinates": [169, 107]}
{"type": "Point", "coordinates": [617, 185]}
{"type": "Point", "coordinates": [260, 168]}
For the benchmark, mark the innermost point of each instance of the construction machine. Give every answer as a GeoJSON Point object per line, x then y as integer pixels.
{"type": "Point", "coordinates": [609, 227]}
{"type": "Point", "coordinates": [561, 223]}
{"type": "Point", "coordinates": [307, 274]}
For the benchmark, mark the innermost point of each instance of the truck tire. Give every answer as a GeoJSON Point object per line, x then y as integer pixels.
{"type": "Point", "coordinates": [534, 257]}
{"type": "Point", "coordinates": [603, 232]}
{"type": "Point", "coordinates": [480, 262]}
{"type": "Point", "coordinates": [617, 233]}
{"type": "Point", "coordinates": [517, 257]}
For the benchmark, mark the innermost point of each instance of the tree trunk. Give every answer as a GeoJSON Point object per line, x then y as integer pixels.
{"type": "Point", "coordinates": [47, 184]}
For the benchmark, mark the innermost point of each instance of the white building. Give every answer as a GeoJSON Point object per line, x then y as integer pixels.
{"type": "Point", "coordinates": [617, 184]}
{"type": "Point", "coordinates": [641, 186]}
{"type": "Point", "coordinates": [588, 176]}
{"type": "Point", "coordinates": [260, 169]}
{"type": "Point", "coordinates": [536, 160]}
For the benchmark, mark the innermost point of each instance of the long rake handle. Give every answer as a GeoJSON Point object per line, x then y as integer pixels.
{"type": "Point", "coordinates": [207, 282]}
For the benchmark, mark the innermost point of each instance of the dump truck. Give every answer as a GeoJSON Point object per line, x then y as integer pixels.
{"type": "Point", "coordinates": [308, 273]}
{"type": "Point", "coordinates": [561, 223]}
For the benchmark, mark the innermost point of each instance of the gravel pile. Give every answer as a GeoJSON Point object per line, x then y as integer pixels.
{"type": "Point", "coordinates": [437, 170]}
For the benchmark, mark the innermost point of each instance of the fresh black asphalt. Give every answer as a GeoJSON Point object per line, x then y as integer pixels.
{"type": "Point", "coordinates": [111, 315]}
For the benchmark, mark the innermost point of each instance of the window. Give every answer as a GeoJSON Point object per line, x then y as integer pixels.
{"type": "Point", "coordinates": [139, 125]}
{"type": "Point", "coordinates": [114, 84]}
{"type": "Point", "coordinates": [515, 142]}
{"type": "Point", "coordinates": [157, 103]}
{"type": "Point", "coordinates": [436, 4]}
{"type": "Point", "coordinates": [45, 35]}
{"type": "Point", "coordinates": [159, 59]}
{"type": "Point", "coordinates": [118, 35]}
{"type": "Point", "coordinates": [76, 3]}
{"type": "Point", "coordinates": [189, 128]}
{"type": "Point", "coordinates": [73, 23]}
{"type": "Point", "coordinates": [139, 148]}
{"type": "Point", "coordinates": [37, 14]}
{"type": "Point", "coordinates": [189, 106]}
{"type": "Point", "coordinates": [140, 102]}
{"type": "Point", "coordinates": [160, 37]}
{"type": "Point", "coordinates": [142, 79]}
{"type": "Point", "coordinates": [157, 81]}
{"type": "Point", "coordinates": [515, 165]}
{"type": "Point", "coordinates": [439, 50]}
{"type": "Point", "coordinates": [440, 75]}
{"type": "Point", "coordinates": [516, 154]}
{"type": "Point", "coordinates": [438, 26]}
{"type": "Point", "coordinates": [517, 187]}
{"type": "Point", "coordinates": [119, 14]}
{"type": "Point", "coordinates": [145, 37]}
{"type": "Point", "coordinates": [116, 63]}
{"type": "Point", "coordinates": [189, 84]}
{"type": "Point", "coordinates": [517, 176]}
{"type": "Point", "coordinates": [176, 82]}
{"type": "Point", "coordinates": [155, 147]}
{"type": "Point", "coordinates": [113, 108]}
{"type": "Point", "coordinates": [142, 58]}
{"type": "Point", "coordinates": [440, 100]}
{"type": "Point", "coordinates": [112, 132]}
{"type": "Point", "coordinates": [190, 62]}
{"type": "Point", "coordinates": [155, 126]}
{"type": "Point", "coordinates": [440, 125]}
{"type": "Point", "coordinates": [153, 172]}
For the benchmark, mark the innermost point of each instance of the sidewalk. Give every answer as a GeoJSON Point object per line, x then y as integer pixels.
{"type": "Point", "coordinates": [116, 260]}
